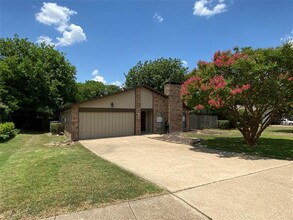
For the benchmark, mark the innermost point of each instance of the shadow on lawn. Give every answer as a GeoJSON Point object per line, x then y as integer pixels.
{"type": "Point", "coordinates": [32, 132]}
{"type": "Point", "coordinates": [266, 148]}
{"type": "Point", "coordinates": [289, 131]}
{"type": "Point", "coordinates": [19, 131]}
{"type": "Point", "coordinates": [7, 139]}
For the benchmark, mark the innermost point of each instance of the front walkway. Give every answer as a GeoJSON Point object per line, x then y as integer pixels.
{"type": "Point", "coordinates": [213, 184]}
{"type": "Point", "coordinates": [166, 207]}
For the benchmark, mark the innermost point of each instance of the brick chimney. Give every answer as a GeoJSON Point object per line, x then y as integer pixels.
{"type": "Point", "coordinates": [175, 109]}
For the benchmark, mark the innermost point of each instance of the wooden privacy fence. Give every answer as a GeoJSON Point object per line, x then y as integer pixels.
{"type": "Point", "coordinates": [203, 121]}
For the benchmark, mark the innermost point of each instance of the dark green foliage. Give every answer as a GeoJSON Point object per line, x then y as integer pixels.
{"type": "Point", "coordinates": [223, 124]}
{"type": "Point", "coordinates": [91, 89]}
{"type": "Point", "coordinates": [155, 73]}
{"type": "Point", "coordinates": [56, 127]}
{"type": "Point", "coordinates": [35, 80]}
{"type": "Point", "coordinates": [7, 131]}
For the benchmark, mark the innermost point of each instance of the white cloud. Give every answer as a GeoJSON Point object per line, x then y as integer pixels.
{"type": "Point", "coordinates": [205, 7]}
{"type": "Point", "coordinates": [158, 18]}
{"type": "Point", "coordinates": [184, 63]}
{"type": "Point", "coordinates": [71, 35]}
{"type": "Point", "coordinates": [288, 38]}
{"type": "Point", "coordinates": [95, 72]}
{"type": "Point", "coordinates": [44, 39]}
{"type": "Point", "coordinates": [98, 77]}
{"type": "Point", "coordinates": [116, 83]}
{"type": "Point", "coordinates": [59, 17]}
{"type": "Point", "coordinates": [53, 14]}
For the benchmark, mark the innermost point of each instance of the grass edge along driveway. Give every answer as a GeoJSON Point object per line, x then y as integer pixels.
{"type": "Point", "coordinates": [38, 179]}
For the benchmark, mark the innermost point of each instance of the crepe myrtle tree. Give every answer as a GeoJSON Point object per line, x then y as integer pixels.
{"type": "Point", "coordinates": [250, 86]}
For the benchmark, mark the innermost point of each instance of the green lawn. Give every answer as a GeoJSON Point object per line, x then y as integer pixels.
{"type": "Point", "coordinates": [275, 142]}
{"type": "Point", "coordinates": [40, 180]}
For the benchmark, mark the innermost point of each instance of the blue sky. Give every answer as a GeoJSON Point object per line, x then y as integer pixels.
{"type": "Point", "coordinates": [104, 39]}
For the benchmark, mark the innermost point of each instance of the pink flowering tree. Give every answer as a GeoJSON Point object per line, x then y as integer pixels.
{"type": "Point", "coordinates": [250, 87]}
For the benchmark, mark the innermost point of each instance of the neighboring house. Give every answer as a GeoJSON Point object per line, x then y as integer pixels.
{"type": "Point", "coordinates": [130, 112]}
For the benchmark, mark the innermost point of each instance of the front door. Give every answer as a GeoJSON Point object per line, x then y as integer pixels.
{"type": "Point", "coordinates": [143, 121]}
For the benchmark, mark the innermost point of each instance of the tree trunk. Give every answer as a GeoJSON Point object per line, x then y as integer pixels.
{"type": "Point", "coordinates": [249, 138]}
{"type": "Point", "coordinates": [252, 123]}
{"type": "Point", "coordinates": [250, 134]}
{"type": "Point", "coordinates": [251, 141]}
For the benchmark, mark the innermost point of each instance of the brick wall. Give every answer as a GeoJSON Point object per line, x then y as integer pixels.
{"type": "Point", "coordinates": [160, 108]}
{"type": "Point", "coordinates": [65, 118]}
{"type": "Point", "coordinates": [175, 108]}
{"type": "Point", "coordinates": [138, 111]}
{"type": "Point", "coordinates": [74, 122]}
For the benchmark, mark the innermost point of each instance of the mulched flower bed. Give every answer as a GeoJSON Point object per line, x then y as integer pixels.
{"type": "Point", "coordinates": [178, 138]}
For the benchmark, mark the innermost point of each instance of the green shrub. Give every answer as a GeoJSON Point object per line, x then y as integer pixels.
{"type": "Point", "coordinates": [56, 127]}
{"type": "Point", "coordinates": [7, 130]}
{"type": "Point", "coordinates": [223, 124]}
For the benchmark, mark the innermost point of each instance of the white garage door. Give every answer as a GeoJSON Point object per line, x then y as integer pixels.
{"type": "Point", "coordinates": [105, 124]}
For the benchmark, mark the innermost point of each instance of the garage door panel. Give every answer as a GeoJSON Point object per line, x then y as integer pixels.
{"type": "Point", "coordinates": [105, 124]}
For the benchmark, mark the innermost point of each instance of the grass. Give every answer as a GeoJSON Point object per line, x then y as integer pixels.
{"type": "Point", "coordinates": [275, 142]}
{"type": "Point", "coordinates": [39, 180]}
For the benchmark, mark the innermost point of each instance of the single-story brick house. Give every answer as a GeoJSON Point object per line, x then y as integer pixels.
{"type": "Point", "coordinates": [130, 112]}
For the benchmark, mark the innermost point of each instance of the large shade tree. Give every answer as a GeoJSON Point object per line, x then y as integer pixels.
{"type": "Point", "coordinates": [35, 80]}
{"type": "Point", "coordinates": [155, 73]}
{"type": "Point", "coordinates": [250, 86]}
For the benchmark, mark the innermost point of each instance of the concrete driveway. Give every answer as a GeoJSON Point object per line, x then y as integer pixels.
{"type": "Point", "coordinates": [221, 185]}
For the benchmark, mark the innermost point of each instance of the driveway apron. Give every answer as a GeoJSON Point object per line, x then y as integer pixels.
{"type": "Point", "coordinates": [221, 185]}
